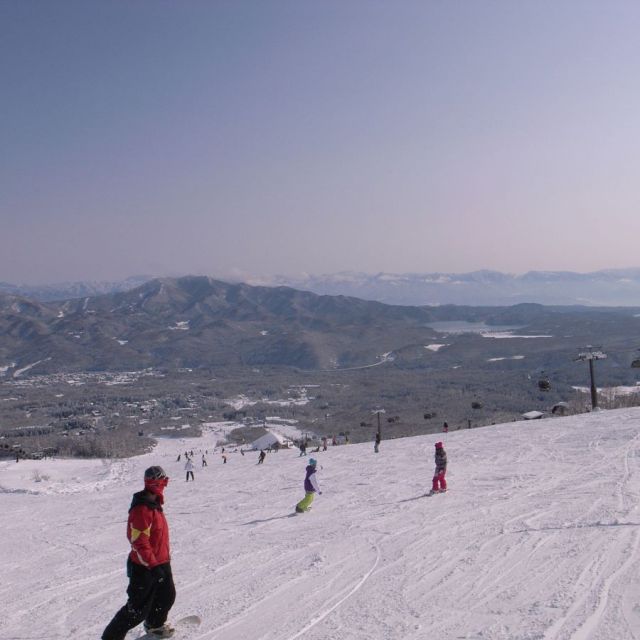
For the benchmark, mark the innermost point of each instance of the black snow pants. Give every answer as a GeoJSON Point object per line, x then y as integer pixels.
{"type": "Point", "coordinates": [149, 601]}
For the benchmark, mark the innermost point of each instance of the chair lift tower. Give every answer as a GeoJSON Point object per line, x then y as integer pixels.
{"type": "Point", "coordinates": [591, 356]}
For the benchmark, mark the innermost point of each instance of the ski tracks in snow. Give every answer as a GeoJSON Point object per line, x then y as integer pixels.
{"type": "Point", "coordinates": [297, 578]}
{"type": "Point", "coordinates": [321, 616]}
{"type": "Point", "coordinates": [538, 539]}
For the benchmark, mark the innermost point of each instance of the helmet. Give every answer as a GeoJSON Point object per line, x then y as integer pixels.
{"type": "Point", "coordinates": [313, 462]}
{"type": "Point", "coordinates": [439, 445]}
{"type": "Point", "coordinates": [154, 473]}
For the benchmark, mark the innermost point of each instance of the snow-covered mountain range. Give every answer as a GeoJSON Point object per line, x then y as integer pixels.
{"type": "Point", "coordinates": [200, 322]}
{"type": "Point", "coordinates": [67, 290]}
{"type": "Point", "coordinates": [537, 537]}
{"type": "Point", "coordinates": [613, 287]}
{"type": "Point", "coordinates": [610, 287]}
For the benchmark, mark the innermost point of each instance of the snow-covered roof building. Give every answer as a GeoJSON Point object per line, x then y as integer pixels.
{"type": "Point", "coordinates": [267, 440]}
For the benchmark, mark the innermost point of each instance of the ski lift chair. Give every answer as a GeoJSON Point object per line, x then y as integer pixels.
{"type": "Point", "coordinates": [544, 384]}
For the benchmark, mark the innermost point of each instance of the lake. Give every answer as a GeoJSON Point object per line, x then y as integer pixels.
{"type": "Point", "coordinates": [462, 326]}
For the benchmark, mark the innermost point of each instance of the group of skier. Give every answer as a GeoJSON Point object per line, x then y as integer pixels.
{"type": "Point", "coordinates": [189, 465]}
{"type": "Point", "coordinates": [151, 591]}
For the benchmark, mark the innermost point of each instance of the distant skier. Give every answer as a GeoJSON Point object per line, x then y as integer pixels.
{"type": "Point", "coordinates": [178, 460]}
{"type": "Point", "coordinates": [303, 448]}
{"type": "Point", "coordinates": [189, 467]}
{"type": "Point", "coordinates": [439, 483]}
{"type": "Point", "coordinates": [151, 590]}
{"type": "Point", "coordinates": [324, 443]}
{"type": "Point", "coordinates": [261, 457]}
{"type": "Point", "coordinates": [204, 461]}
{"type": "Point", "coordinates": [311, 486]}
{"type": "Point", "coordinates": [376, 446]}
{"type": "Point", "coordinates": [445, 428]}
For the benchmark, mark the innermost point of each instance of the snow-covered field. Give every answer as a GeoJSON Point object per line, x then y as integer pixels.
{"type": "Point", "coordinates": [538, 537]}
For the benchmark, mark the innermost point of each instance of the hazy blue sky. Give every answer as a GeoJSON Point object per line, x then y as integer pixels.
{"type": "Point", "coordinates": [164, 138]}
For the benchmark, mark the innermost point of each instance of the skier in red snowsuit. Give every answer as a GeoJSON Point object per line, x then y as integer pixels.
{"type": "Point", "coordinates": [151, 590]}
{"type": "Point", "coordinates": [439, 483]}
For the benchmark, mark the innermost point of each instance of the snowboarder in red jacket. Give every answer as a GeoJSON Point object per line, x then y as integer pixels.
{"type": "Point", "coordinates": [151, 592]}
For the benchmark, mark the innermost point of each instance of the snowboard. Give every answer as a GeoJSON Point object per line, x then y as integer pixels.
{"type": "Point", "coordinates": [179, 626]}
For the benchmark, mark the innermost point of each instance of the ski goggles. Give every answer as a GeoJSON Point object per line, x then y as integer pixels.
{"type": "Point", "coordinates": [156, 485]}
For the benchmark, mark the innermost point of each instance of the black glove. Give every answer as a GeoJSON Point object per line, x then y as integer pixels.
{"type": "Point", "coordinates": [158, 573]}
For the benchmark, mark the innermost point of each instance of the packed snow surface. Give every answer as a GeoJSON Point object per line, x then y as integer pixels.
{"type": "Point", "coordinates": [537, 538]}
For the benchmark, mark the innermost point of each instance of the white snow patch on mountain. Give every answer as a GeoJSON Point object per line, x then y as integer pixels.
{"type": "Point", "coordinates": [6, 367]}
{"type": "Point", "coordinates": [298, 397]}
{"type": "Point", "coordinates": [288, 402]}
{"type": "Point", "coordinates": [288, 421]}
{"type": "Point", "coordinates": [507, 334]}
{"type": "Point", "coordinates": [18, 372]}
{"type": "Point", "coordinates": [182, 427]}
{"type": "Point", "coordinates": [239, 402]}
{"type": "Point", "coordinates": [435, 347]}
{"type": "Point", "coordinates": [390, 278]}
{"type": "Point", "coordinates": [613, 391]}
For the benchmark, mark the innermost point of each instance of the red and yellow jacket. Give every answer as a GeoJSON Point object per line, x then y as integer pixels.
{"type": "Point", "coordinates": [148, 532]}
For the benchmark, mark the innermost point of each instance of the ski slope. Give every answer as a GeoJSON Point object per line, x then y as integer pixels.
{"type": "Point", "coordinates": [538, 538]}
